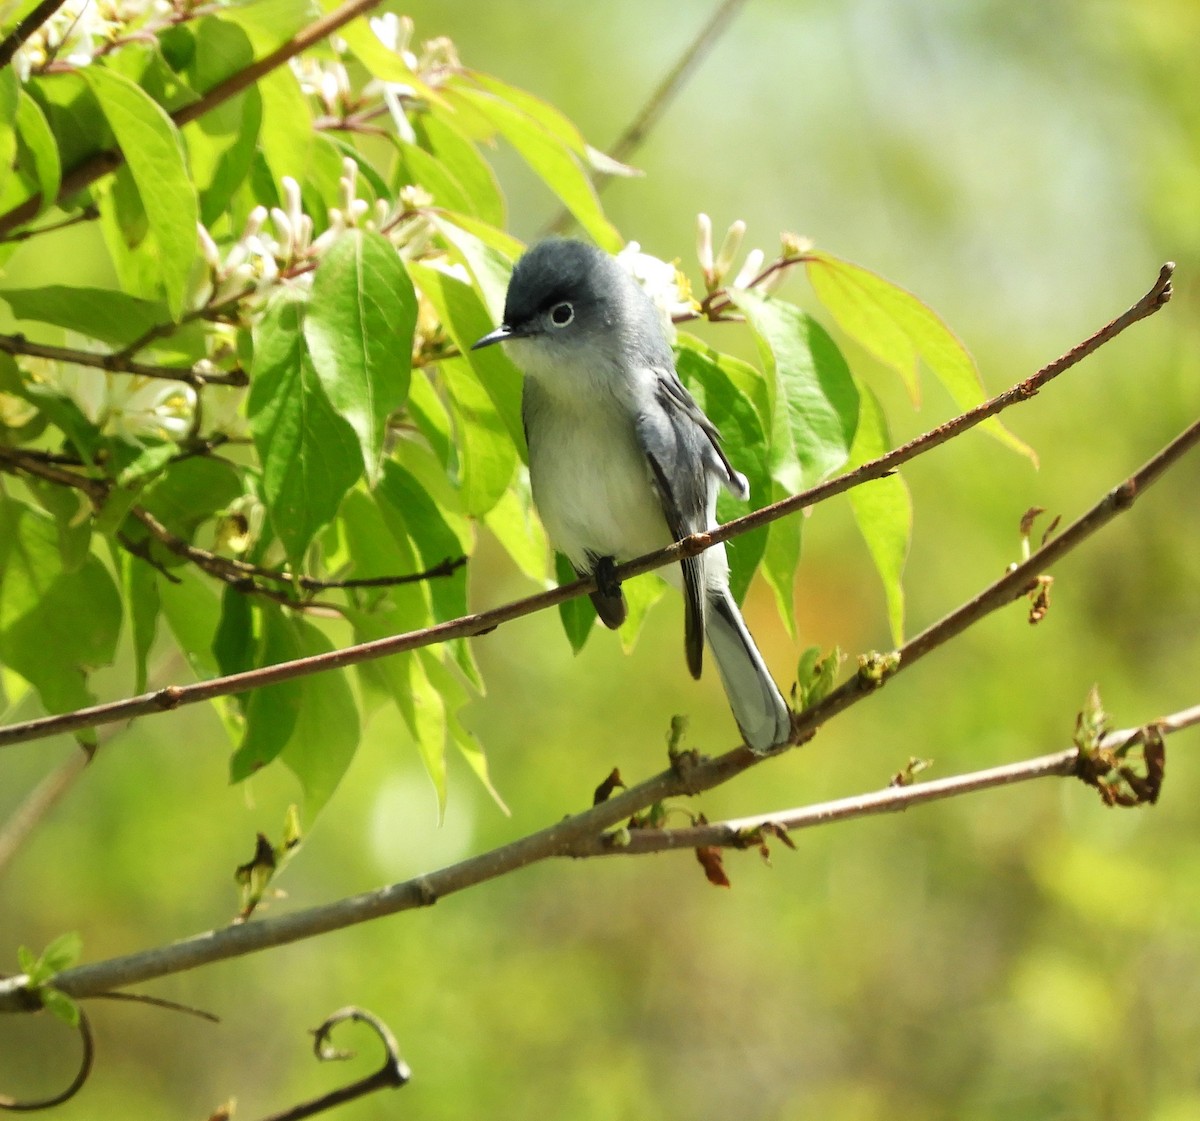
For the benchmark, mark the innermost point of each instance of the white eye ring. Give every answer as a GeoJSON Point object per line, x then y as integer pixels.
{"type": "Point", "coordinates": [562, 314]}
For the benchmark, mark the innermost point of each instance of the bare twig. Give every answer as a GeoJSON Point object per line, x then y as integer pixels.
{"type": "Point", "coordinates": [667, 90]}
{"type": "Point", "coordinates": [1010, 587]}
{"type": "Point", "coordinates": [582, 834]}
{"type": "Point", "coordinates": [12, 42]}
{"type": "Point", "coordinates": [39, 802]}
{"type": "Point", "coordinates": [121, 363]}
{"type": "Point", "coordinates": [87, 214]}
{"type": "Point", "coordinates": [81, 1076]}
{"type": "Point", "coordinates": [101, 163]}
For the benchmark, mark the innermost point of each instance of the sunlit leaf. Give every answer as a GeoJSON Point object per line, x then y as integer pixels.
{"type": "Point", "coordinates": [814, 402]}
{"type": "Point", "coordinates": [39, 144]}
{"type": "Point", "coordinates": [41, 605]}
{"type": "Point", "coordinates": [883, 510]}
{"type": "Point", "coordinates": [310, 455]}
{"type": "Point", "coordinates": [359, 330]}
{"type": "Point", "coordinates": [154, 154]}
{"type": "Point", "coordinates": [549, 157]}
{"type": "Point", "coordinates": [901, 331]}
{"type": "Point", "coordinates": [100, 313]}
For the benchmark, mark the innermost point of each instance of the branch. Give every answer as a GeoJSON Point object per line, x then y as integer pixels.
{"type": "Point", "coordinates": [1012, 585]}
{"type": "Point", "coordinates": [120, 363]}
{"type": "Point", "coordinates": [239, 574]}
{"type": "Point", "coordinates": [579, 835]}
{"type": "Point", "coordinates": [633, 136]}
{"type": "Point", "coordinates": [101, 163]}
{"type": "Point", "coordinates": [14, 40]}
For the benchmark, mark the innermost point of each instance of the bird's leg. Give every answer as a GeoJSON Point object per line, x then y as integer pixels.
{"type": "Point", "coordinates": [605, 572]}
{"type": "Point", "coordinates": [607, 598]}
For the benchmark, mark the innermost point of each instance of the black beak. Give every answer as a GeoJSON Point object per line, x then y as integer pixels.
{"type": "Point", "coordinates": [504, 331]}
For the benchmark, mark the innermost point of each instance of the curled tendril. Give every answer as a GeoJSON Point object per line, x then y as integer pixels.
{"type": "Point", "coordinates": [81, 1076]}
{"type": "Point", "coordinates": [394, 1072]}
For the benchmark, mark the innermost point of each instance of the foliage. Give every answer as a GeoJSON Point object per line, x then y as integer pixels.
{"type": "Point", "coordinates": [272, 415]}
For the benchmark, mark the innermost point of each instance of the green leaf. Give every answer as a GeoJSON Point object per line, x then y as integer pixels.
{"type": "Point", "coordinates": [222, 141]}
{"type": "Point", "coordinates": [641, 594]}
{"type": "Point", "coordinates": [10, 91]}
{"type": "Point", "coordinates": [743, 440]}
{"type": "Point", "coordinates": [443, 679]}
{"type": "Point", "coordinates": [310, 456]}
{"type": "Point", "coordinates": [312, 725]}
{"type": "Point", "coordinates": [233, 643]}
{"type": "Point", "coordinates": [883, 510]}
{"type": "Point", "coordinates": [41, 605]}
{"type": "Point", "coordinates": [192, 610]}
{"type": "Point", "coordinates": [899, 330]}
{"type": "Point", "coordinates": [62, 953]}
{"type": "Point", "coordinates": [404, 679]}
{"type": "Point", "coordinates": [780, 561]}
{"type": "Point", "coordinates": [486, 414]}
{"type": "Point", "coordinates": [549, 157]}
{"type": "Point", "coordinates": [190, 492]}
{"type": "Point", "coordinates": [39, 145]}
{"type": "Point", "coordinates": [409, 510]}
{"type": "Point", "coordinates": [577, 615]}
{"type": "Point", "coordinates": [454, 153]}
{"type": "Point", "coordinates": [59, 1005]}
{"type": "Point", "coordinates": [815, 401]}
{"type": "Point", "coordinates": [286, 136]}
{"type": "Point", "coordinates": [465, 319]}
{"type": "Point", "coordinates": [380, 61]}
{"type": "Point", "coordinates": [113, 317]}
{"type": "Point", "coordinates": [515, 525]}
{"type": "Point", "coordinates": [140, 584]}
{"type": "Point", "coordinates": [359, 330]}
{"type": "Point", "coordinates": [154, 154]}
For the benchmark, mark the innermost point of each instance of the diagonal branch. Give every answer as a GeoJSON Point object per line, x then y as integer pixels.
{"type": "Point", "coordinates": [121, 363]}
{"type": "Point", "coordinates": [579, 835]}
{"type": "Point", "coordinates": [1011, 586]}
{"type": "Point", "coordinates": [37, 16]}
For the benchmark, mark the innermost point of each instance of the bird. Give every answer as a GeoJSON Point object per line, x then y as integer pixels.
{"type": "Point", "coordinates": [622, 460]}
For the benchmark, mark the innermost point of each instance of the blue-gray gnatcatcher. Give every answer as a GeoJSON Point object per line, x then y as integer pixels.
{"type": "Point", "coordinates": [622, 460]}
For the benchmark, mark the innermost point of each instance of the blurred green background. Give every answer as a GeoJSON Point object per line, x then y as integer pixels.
{"type": "Point", "coordinates": [1020, 954]}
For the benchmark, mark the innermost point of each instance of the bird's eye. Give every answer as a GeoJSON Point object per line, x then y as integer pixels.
{"type": "Point", "coordinates": [561, 314]}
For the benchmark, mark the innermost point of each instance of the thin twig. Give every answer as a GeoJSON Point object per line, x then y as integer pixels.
{"type": "Point", "coordinates": [120, 363]}
{"type": "Point", "coordinates": [650, 113]}
{"type": "Point", "coordinates": [87, 214]}
{"type": "Point", "coordinates": [39, 802]}
{"type": "Point", "coordinates": [101, 163]}
{"type": "Point", "coordinates": [13, 41]}
{"type": "Point", "coordinates": [468, 626]}
{"type": "Point", "coordinates": [576, 836]}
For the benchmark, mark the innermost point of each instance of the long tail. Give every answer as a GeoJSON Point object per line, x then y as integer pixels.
{"type": "Point", "coordinates": [758, 707]}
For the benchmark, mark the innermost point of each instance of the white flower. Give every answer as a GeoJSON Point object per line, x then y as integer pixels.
{"type": "Point", "coordinates": [140, 409]}
{"type": "Point", "coordinates": [666, 286]}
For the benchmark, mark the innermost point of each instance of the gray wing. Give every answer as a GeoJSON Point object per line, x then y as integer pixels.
{"type": "Point", "coordinates": [682, 447]}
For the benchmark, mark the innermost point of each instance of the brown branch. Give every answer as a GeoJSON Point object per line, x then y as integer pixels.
{"type": "Point", "coordinates": [13, 41]}
{"type": "Point", "coordinates": [87, 214]}
{"type": "Point", "coordinates": [1011, 586]}
{"type": "Point", "coordinates": [120, 363]}
{"type": "Point", "coordinates": [582, 834]}
{"type": "Point", "coordinates": [101, 163]}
